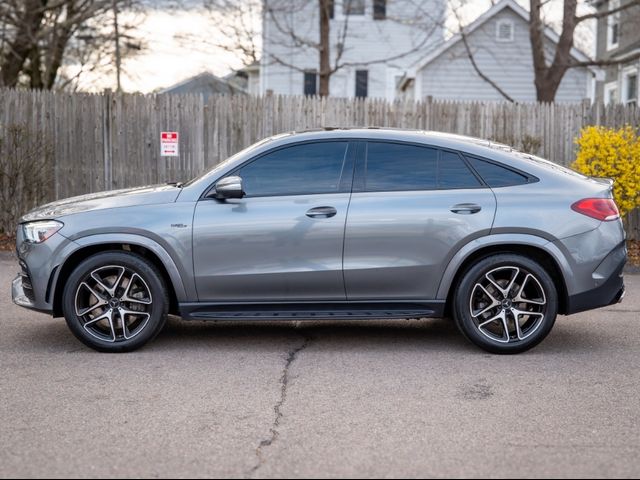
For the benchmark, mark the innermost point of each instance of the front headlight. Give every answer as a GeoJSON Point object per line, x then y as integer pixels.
{"type": "Point", "coordinates": [38, 232]}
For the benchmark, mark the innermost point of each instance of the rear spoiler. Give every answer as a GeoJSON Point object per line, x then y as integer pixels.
{"type": "Point", "coordinates": [604, 181]}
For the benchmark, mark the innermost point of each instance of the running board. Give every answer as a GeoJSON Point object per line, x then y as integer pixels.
{"type": "Point", "coordinates": [310, 311]}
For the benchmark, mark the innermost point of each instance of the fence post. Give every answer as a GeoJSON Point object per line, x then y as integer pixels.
{"type": "Point", "coordinates": [106, 138]}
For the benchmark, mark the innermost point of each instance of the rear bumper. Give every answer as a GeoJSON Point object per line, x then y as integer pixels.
{"type": "Point", "coordinates": [609, 292]}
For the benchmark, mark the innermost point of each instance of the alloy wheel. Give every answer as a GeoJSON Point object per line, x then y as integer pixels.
{"type": "Point", "coordinates": [508, 304]}
{"type": "Point", "coordinates": [113, 303]}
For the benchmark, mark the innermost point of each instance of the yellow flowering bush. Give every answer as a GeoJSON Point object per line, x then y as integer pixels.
{"type": "Point", "coordinates": [607, 152]}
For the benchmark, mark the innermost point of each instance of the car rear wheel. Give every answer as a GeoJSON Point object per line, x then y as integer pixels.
{"type": "Point", "coordinates": [505, 303]}
{"type": "Point", "coordinates": [115, 301]}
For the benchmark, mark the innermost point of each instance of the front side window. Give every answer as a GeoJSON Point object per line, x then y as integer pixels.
{"type": "Point", "coordinates": [297, 170]}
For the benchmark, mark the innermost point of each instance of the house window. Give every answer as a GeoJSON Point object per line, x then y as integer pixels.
{"type": "Point", "coordinates": [362, 83]}
{"type": "Point", "coordinates": [504, 31]}
{"type": "Point", "coordinates": [379, 9]}
{"type": "Point", "coordinates": [310, 83]}
{"type": "Point", "coordinates": [631, 88]}
{"type": "Point", "coordinates": [611, 93]}
{"type": "Point", "coordinates": [353, 7]}
{"type": "Point", "coordinates": [613, 26]}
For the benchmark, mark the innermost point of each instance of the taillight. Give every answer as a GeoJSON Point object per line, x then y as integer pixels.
{"type": "Point", "coordinates": [603, 209]}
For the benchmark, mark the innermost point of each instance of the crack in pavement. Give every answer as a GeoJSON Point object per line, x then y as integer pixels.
{"type": "Point", "coordinates": [284, 384]}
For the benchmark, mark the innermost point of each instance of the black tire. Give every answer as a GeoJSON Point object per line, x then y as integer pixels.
{"type": "Point", "coordinates": [477, 291]}
{"type": "Point", "coordinates": [145, 311]}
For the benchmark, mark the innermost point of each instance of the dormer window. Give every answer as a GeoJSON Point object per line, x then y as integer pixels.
{"type": "Point", "coordinates": [504, 31]}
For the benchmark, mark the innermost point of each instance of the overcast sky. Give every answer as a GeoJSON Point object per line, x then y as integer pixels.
{"type": "Point", "coordinates": [180, 43]}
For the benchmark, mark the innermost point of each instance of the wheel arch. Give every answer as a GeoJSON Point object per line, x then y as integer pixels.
{"type": "Point", "coordinates": [146, 248]}
{"type": "Point", "coordinates": [541, 250]}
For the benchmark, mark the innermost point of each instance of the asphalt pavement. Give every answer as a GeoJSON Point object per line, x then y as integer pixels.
{"type": "Point", "coordinates": [320, 399]}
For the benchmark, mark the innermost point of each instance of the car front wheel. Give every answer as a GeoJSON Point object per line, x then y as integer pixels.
{"type": "Point", "coordinates": [505, 303]}
{"type": "Point", "coordinates": [115, 301]}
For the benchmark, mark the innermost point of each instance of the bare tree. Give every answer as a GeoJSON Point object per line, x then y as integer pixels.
{"type": "Point", "coordinates": [548, 75]}
{"type": "Point", "coordinates": [239, 27]}
{"type": "Point", "coordinates": [39, 36]}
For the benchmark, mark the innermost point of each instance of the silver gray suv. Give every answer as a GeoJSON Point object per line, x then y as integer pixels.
{"type": "Point", "coordinates": [333, 224]}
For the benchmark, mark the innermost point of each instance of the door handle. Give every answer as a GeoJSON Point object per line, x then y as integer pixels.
{"type": "Point", "coordinates": [321, 212]}
{"type": "Point", "coordinates": [466, 208]}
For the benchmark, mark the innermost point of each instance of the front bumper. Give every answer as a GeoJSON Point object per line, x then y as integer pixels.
{"type": "Point", "coordinates": [39, 263]}
{"type": "Point", "coordinates": [20, 298]}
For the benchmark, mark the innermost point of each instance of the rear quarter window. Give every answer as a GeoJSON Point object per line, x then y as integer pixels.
{"type": "Point", "coordinates": [495, 175]}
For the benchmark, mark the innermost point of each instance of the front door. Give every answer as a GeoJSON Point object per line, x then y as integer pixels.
{"type": "Point", "coordinates": [283, 241]}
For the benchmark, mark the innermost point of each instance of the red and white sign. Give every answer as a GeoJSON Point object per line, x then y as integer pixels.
{"type": "Point", "coordinates": [169, 144]}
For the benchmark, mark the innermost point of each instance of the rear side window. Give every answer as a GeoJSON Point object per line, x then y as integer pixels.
{"type": "Point", "coordinates": [393, 166]}
{"type": "Point", "coordinates": [300, 169]}
{"type": "Point", "coordinates": [454, 173]}
{"type": "Point", "coordinates": [495, 175]}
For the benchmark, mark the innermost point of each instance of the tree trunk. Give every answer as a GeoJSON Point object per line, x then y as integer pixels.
{"type": "Point", "coordinates": [34, 71]}
{"type": "Point", "coordinates": [56, 49]}
{"type": "Point", "coordinates": [325, 47]}
{"type": "Point", "coordinates": [24, 42]}
{"type": "Point", "coordinates": [548, 77]}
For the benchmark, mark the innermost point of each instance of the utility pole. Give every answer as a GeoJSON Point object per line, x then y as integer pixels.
{"type": "Point", "coordinates": [117, 39]}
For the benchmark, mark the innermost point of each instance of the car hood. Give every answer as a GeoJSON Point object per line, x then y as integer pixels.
{"type": "Point", "coordinates": [154, 194]}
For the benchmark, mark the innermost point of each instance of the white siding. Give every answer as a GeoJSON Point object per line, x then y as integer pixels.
{"type": "Point", "coordinates": [367, 41]}
{"type": "Point", "coordinates": [508, 64]}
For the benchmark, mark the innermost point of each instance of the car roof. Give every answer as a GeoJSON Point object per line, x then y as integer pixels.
{"type": "Point", "coordinates": [442, 139]}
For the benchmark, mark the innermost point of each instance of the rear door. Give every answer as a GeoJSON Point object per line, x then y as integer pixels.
{"type": "Point", "coordinates": [411, 209]}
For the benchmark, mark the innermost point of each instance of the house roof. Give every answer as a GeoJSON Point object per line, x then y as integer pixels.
{"type": "Point", "coordinates": [481, 20]}
{"type": "Point", "coordinates": [205, 83]}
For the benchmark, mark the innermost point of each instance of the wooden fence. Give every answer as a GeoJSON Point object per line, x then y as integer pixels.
{"type": "Point", "coordinates": [107, 141]}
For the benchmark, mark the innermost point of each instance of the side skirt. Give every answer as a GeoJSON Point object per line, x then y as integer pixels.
{"type": "Point", "coordinates": [311, 311]}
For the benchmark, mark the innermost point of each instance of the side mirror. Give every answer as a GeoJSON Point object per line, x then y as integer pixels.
{"type": "Point", "coordinates": [229, 187]}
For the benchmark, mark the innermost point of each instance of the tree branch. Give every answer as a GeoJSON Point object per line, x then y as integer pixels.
{"type": "Point", "coordinates": [484, 77]}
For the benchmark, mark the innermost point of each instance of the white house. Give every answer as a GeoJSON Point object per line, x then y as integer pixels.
{"type": "Point", "coordinates": [500, 45]}
{"type": "Point", "coordinates": [618, 41]}
{"type": "Point", "coordinates": [381, 39]}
